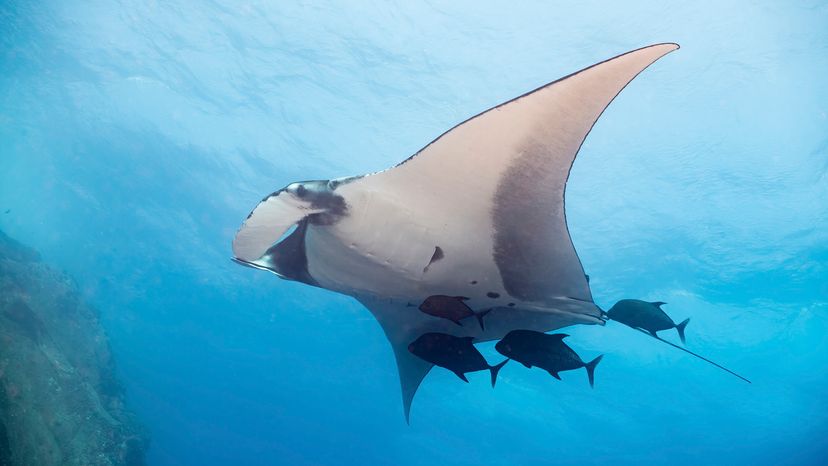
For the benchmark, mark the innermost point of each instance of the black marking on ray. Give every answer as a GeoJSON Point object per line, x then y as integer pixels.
{"type": "Point", "coordinates": [474, 282]}
{"type": "Point", "coordinates": [517, 256]}
{"type": "Point", "coordinates": [511, 304]}
{"type": "Point", "coordinates": [438, 254]}
{"type": "Point", "coordinates": [288, 257]}
{"type": "Point", "coordinates": [493, 295]}
{"type": "Point", "coordinates": [527, 266]}
{"type": "Point", "coordinates": [321, 196]}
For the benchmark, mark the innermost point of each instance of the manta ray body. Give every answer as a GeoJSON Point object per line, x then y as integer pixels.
{"type": "Point", "coordinates": [478, 212]}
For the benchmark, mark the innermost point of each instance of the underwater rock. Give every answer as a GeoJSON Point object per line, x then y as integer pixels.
{"type": "Point", "coordinates": [60, 402]}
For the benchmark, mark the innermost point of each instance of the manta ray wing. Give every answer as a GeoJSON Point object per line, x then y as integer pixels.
{"type": "Point", "coordinates": [495, 183]}
{"type": "Point", "coordinates": [494, 186]}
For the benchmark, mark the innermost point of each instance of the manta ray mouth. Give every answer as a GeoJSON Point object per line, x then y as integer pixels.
{"type": "Point", "coordinates": [265, 262]}
{"type": "Point", "coordinates": [286, 257]}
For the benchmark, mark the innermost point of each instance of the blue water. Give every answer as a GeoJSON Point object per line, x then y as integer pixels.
{"type": "Point", "coordinates": [135, 136]}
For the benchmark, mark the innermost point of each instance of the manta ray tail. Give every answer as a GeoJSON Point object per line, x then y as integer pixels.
{"type": "Point", "coordinates": [694, 354]}
{"type": "Point", "coordinates": [680, 327]}
{"type": "Point", "coordinates": [496, 369]}
{"type": "Point", "coordinates": [412, 371]}
{"type": "Point", "coordinates": [590, 368]}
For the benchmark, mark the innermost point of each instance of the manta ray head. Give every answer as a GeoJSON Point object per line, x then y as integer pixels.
{"type": "Point", "coordinates": [297, 204]}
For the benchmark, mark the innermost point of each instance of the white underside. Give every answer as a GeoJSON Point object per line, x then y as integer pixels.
{"type": "Point", "coordinates": [378, 252]}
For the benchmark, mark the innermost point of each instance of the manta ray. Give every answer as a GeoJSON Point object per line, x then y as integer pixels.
{"type": "Point", "coordinates": [478, 212]}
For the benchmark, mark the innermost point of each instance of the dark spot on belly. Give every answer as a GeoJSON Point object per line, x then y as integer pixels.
{"type": "Point", "coordinates": [492, 294]}
{"type": "Point", "coordinates": [438, 254]}
{"type": "Point", "coordinates": [511, 304]}
{"type": "Point", "coordinates": [474, 282]}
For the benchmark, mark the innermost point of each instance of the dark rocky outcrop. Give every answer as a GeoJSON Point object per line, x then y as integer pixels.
{"type": "Point", "coordinates": [60, 402]}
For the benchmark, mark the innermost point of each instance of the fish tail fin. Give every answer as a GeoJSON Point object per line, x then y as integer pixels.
{"type": "Point", "coordinates": [680, 327]}
{"type": "Point", "coordinates": [590, 368]}
{"type": "Point", "coordinates": [496, 369]}
{"type": "Point", "coordinates": [480, 316]}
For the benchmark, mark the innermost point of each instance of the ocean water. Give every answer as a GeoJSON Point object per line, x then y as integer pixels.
{"type": "Point", "coordinates": [135, 136]}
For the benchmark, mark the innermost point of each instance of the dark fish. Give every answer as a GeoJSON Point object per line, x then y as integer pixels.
{"type": "Point", "coordinates": [451, 308]}
{"type": "Point", "coordinates": [548, 352]}
{"type": "Point", "coordinates": [456, 354]}
{"type": "Point", "coordinates": [646, 316]}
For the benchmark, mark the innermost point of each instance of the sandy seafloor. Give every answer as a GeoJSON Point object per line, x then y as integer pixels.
{"type": "Point", "coordinates": [135, 136]}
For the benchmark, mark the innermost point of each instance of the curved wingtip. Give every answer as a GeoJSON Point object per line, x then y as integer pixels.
{"type": "Point", "coordinates": [663, 48]}
{"type": "Point", "coordinates": [671, 45]}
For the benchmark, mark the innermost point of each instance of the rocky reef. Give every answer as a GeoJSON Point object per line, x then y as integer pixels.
{"type": "Point", "coordinates": [60, 402]}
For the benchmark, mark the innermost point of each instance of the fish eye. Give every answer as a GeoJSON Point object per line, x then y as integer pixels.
{"type": "Point", "coordinates": [301, 190]}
